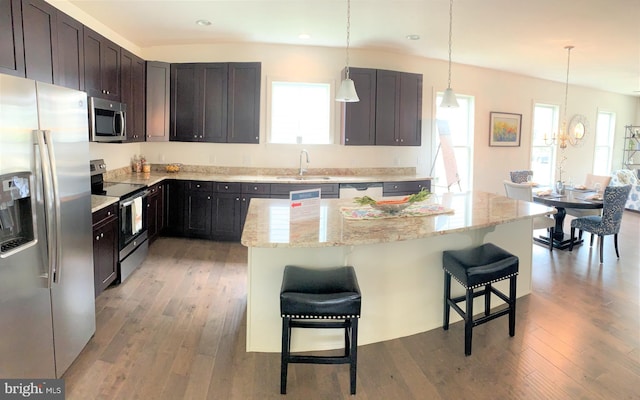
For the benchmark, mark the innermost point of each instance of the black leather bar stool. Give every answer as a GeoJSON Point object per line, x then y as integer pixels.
{"type": "Point", "coordinates": [474, 268]}
{"type": "Point", "coordinates": [320, 299]}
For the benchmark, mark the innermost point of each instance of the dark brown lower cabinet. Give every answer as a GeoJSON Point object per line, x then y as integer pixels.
{"type": "Point", "coordinates": [105, 247]}
{"type": "Point", "coordinates": [226, 216]}
{"type": "Point", "coordinates": [198, 203]}
{"type": "Point", "coordinates": [155, 211]}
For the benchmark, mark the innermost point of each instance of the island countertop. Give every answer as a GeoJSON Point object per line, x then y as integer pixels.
{"type": "Point", "coordinates": [268, 223]}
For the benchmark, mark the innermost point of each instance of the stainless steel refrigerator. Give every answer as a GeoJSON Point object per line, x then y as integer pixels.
{"type": "Point", "coordinates": [47, 307]}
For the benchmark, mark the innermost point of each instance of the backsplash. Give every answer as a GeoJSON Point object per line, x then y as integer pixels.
{"type": "Point", "coordinates": [217, 170]}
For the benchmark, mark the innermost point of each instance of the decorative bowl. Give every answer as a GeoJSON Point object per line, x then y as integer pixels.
{"type": "Point", "coordinates": [392, 208]}
{"type": "Point", "coordinates": [175, 167]}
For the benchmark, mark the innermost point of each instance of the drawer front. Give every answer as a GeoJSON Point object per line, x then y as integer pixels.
{"type": "Point", "coordinates": [226, 187]}
{"type": "Point", "coordinates": [404, 187]}
{"type": "Point", "coordinates": [256, 188]}
{"type": "Point", "coordinates": [328, 190]}
{"type": "Point", "coordinates": [199, 186]}
{"type": "Point", "coordinates": [109, 211]}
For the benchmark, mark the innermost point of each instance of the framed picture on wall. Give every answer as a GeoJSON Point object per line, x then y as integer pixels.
{"type": "Point", "coordinates": [505, 129]}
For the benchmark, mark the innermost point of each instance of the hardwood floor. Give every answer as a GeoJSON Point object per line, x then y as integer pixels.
{"type": "Point", "coordinates": [176, 330]}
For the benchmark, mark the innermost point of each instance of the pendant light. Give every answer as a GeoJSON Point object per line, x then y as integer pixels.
{"type": "Point", "coordinates": [347, 92]}
{"type": "Point", "coordinates": [449, 98]}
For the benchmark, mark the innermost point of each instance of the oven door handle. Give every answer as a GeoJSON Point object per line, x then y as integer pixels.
{"type": "Point", "coordinates": [128, 201]}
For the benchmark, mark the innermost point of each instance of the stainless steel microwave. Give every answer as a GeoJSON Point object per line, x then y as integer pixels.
{"type": "Point", "coordinates": [107, 120]}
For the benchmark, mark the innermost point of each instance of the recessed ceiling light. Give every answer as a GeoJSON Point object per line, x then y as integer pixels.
{"type": "Point", "coordinates": [203, 22]}
{"type": "Point", "coordinates": [413, 37]}
{"type": "Point", "coordinates": [304, 36]}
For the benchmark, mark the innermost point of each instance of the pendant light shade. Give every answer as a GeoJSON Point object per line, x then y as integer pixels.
{"type": "Point", "coordinates": [347, 92]}
{"type": "Point", "coordinates": [449, 98]}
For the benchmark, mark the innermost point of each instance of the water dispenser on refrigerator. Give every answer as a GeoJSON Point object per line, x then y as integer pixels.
{"type": "Point", "coordinates": [16, 216]}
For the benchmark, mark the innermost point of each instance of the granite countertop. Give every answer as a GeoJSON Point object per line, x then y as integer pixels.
{"type": "Point", "coordinates": [154, 177]}
{"type": "Point", "coordinates": [99, 202]}
{"type": "Point", "coordinates": [268, 222]}
{"type": "Point", "coordinates": [151, 178]}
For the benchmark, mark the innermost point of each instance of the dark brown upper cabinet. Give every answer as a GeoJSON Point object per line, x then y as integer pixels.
{"type": "Point", "coordinates": [389, 112]}
{"type": "Point", "coordinates": [215, 102]}
{"type": "Point", "coordinates": [132, 93]}
{"type": "Point", "coordinates": [101, 66]}
{"type": "Point", "coordinates": [40, 40]}
{"type": "Point", "coordinates": [359, 118]}
{"type": "Point", "coordinates": [157, 101]}
{"type": "Point", "coordinates": [53, 45]}
{"type": "Point", "coordinates": [11, 42]}
{"type": "Point", "coordinates": [70, 49]}
{"type": "Point", "coordinates": [243, 112]}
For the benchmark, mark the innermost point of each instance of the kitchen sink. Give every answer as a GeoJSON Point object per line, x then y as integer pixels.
{"type": "Point", "coordinates": [304, 178]}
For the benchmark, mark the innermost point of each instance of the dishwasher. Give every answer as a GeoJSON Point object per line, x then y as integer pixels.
{"type": "Point", "coordinates": [351, 190]}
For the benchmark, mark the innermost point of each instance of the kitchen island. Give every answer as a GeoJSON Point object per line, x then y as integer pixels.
{"type": "Point", "coordinates": [398, 261]}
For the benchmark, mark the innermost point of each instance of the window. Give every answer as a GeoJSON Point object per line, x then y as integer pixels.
{"type": "Point", "coordinates": [461, 127]}
{"type": "Point", "coordinates": [300, 112]}
{"type": "Point", "coordinates": [605, 128]}
{"type": "Point", "coordinates": [545, 122]}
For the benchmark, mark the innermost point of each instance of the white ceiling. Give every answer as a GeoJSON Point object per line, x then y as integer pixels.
{"type": "Point", "coordinates": [521, 36]}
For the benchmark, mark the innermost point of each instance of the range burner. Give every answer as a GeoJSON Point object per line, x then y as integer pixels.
{"type": "Point", "coordinates": [113, 189]}
{"type": "Point", "coordinates": [116, 189]}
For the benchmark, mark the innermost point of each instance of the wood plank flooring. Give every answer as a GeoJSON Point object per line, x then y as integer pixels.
{"type": "Point", "coordinates": [176, 330]}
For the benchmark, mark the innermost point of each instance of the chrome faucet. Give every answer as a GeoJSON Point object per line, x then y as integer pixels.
{"type": "Point", "coordinates": [303, 170]}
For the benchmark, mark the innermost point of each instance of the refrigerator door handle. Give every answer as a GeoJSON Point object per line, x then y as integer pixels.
{"type": "Point", "coordinates": [56, 205]}
{"type": "Point", "coordinates": [52, 205]}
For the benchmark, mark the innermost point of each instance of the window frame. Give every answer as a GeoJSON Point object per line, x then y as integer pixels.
{"type": "Point", "coordinates": [555, 124]}
{"type": "Point", "coordinates": [333, 123]}
{"type": "Point", "coordinates": [466, 177]}
{"type": "Point", "coordinates": [610, 141]}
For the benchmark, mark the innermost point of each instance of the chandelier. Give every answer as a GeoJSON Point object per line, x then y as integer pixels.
{"type": "Point", "coordinates": [565, 137]}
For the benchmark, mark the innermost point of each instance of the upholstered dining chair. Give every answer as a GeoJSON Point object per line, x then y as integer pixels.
{"type": "Point", "coordinates": [522, 191]}
{"type": "Point", "coordinates": [608, 223]}
{"type": "Point", "coordinates": [520, 176]}
{"type": "Point", "coordinates": [590, 182]}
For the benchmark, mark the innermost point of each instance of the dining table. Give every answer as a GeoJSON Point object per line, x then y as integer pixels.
{"type": "Point", "coordinates": [568, 198]}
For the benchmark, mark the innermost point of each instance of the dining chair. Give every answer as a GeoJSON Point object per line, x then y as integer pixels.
{"type": "Point", "coordinates": [589, 183]}
{"type": "Point", "coordinates": [608, 223]}
{"type": "Point", "coordinates": [520, 191]}
{"type": "Point", "coordinates": [520, 176]}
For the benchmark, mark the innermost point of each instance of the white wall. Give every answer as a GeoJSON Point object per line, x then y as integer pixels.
{"type": "Point", "coordinates": [493, 91]}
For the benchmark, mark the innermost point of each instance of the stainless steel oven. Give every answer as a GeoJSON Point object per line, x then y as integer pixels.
{"type": "Point", "coordinates": [132, 234]}
{"type": "Point", "coordinates": [133, 244]}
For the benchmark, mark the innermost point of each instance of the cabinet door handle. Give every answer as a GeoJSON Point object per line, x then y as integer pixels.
{"type": "Point", "coordinates": [98, 237]}
{"type": "Point", "coordinates": [226, 187]}
{"type": "Point", "coordinates": [208, 197]}
{"type": "Point", "coordinates": [237, 198]}
{"type": "Point", "coordinates": [108, 213]}
{"type": "Point", "coordinates": [255, 188]}
{"type": "Point", "coordinates": [102, 235]}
